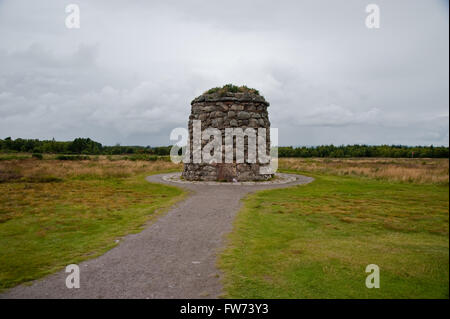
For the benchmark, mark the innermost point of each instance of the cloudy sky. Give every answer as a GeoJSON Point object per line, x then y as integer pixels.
{"type": "Point", "coordinates": [129, 73]}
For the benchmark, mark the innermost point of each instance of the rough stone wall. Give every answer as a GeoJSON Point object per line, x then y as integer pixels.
{"type": "Point", "coordinates": [230, 110]}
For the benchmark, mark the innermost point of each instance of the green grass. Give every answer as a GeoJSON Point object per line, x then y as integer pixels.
{"type": "Point", "coordinates": [231, 88]}
{"type": "Point", "coordinates": [14, 156]}
{"type": "Point", "coordinates": [46, 226]}
{"type": "Point", "coordinates": [315, 241]}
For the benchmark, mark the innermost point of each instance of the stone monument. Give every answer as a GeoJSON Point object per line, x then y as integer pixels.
{"type": "Point", "coordinates": [229, 109]}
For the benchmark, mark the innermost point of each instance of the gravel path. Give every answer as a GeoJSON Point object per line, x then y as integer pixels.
{"type": "Point", "coordinates": [175, 257]}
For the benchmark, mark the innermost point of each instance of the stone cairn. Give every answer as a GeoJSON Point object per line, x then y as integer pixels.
{"type": "Point", "coordinates": [219, 108]}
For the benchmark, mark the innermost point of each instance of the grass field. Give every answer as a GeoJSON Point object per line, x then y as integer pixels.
{"type": "Point", "coordinates": [315, 241]}
{"type": "Point", "coordinates": [53, 213]}
{"type": "Point", "coordinates": [311, 241]}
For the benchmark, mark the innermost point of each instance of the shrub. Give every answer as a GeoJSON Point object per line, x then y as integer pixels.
{"type": "Point", "coordinates": [165, 158]}
{"type": "Point", "coordinates": [37, 156]}
{"type": "Point", "coordinates": [72, 157]}
{"type": "Point", "coordinates": [9, 175]}
{"type": "Point", "coordinates": [41, 179]}
{"type": "Point", "coordinates": [136, 157]}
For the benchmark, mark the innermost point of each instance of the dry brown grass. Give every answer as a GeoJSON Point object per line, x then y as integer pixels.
{"type": "Point", "coordinates": [52, 170]}
{"type": "Point", "coordinates": [411, 170]}
{"type": "Point", "coordinates": [422, 171]}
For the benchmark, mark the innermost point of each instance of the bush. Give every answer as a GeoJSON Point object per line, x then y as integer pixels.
{"type": "Point", "coordinates": [9, 175]}
{"type": "Point", "coordinates": [41, 179]}
{"type": "Point", "coordinates": [37, 156]}
{"type": "Point", "coordinates": [164, 158]}
{"type": "Point", "coordinates": [153, 158]}
{"type": "Point", "coordinates": [136, 157]}
{"type": "Point", "coordinates": [73, 157]}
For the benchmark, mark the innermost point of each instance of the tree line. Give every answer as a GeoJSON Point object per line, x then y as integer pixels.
{"type": "Point", "coordinates": [365, 151]}
{"type": "Point", "coordinates": [90, 147]}
{"type": "Point", "coordinates": [77, 146]}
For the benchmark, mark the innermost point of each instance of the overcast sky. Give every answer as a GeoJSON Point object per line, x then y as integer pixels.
{"type": "Point", "coordinates": [129, 73]}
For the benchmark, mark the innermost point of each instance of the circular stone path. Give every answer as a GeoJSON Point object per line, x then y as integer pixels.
{"type": "Point", "coordinates": [278, 179]}
{"type": "Point", "coordinates": [174, 257]}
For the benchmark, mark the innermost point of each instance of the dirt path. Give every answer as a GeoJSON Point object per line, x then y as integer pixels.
{"type": "Point", "coordinates": [175, 257]}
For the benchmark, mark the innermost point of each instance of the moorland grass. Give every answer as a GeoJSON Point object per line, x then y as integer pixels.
{"type": "Point", "coordinates": [406, 170]}
{"type": "Point", "coordinates": [315, 240]}
{"type": "Point", "coordinates": [54, 213]}
{"type": "Point", "coordinates": [311, 241]}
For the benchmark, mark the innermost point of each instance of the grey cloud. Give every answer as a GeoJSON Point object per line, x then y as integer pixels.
{"type": "Point", "coordinates": [129, 74]}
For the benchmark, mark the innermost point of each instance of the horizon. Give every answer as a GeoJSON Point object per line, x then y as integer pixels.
{"type": "Point", "coordinates": [169, 145]}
